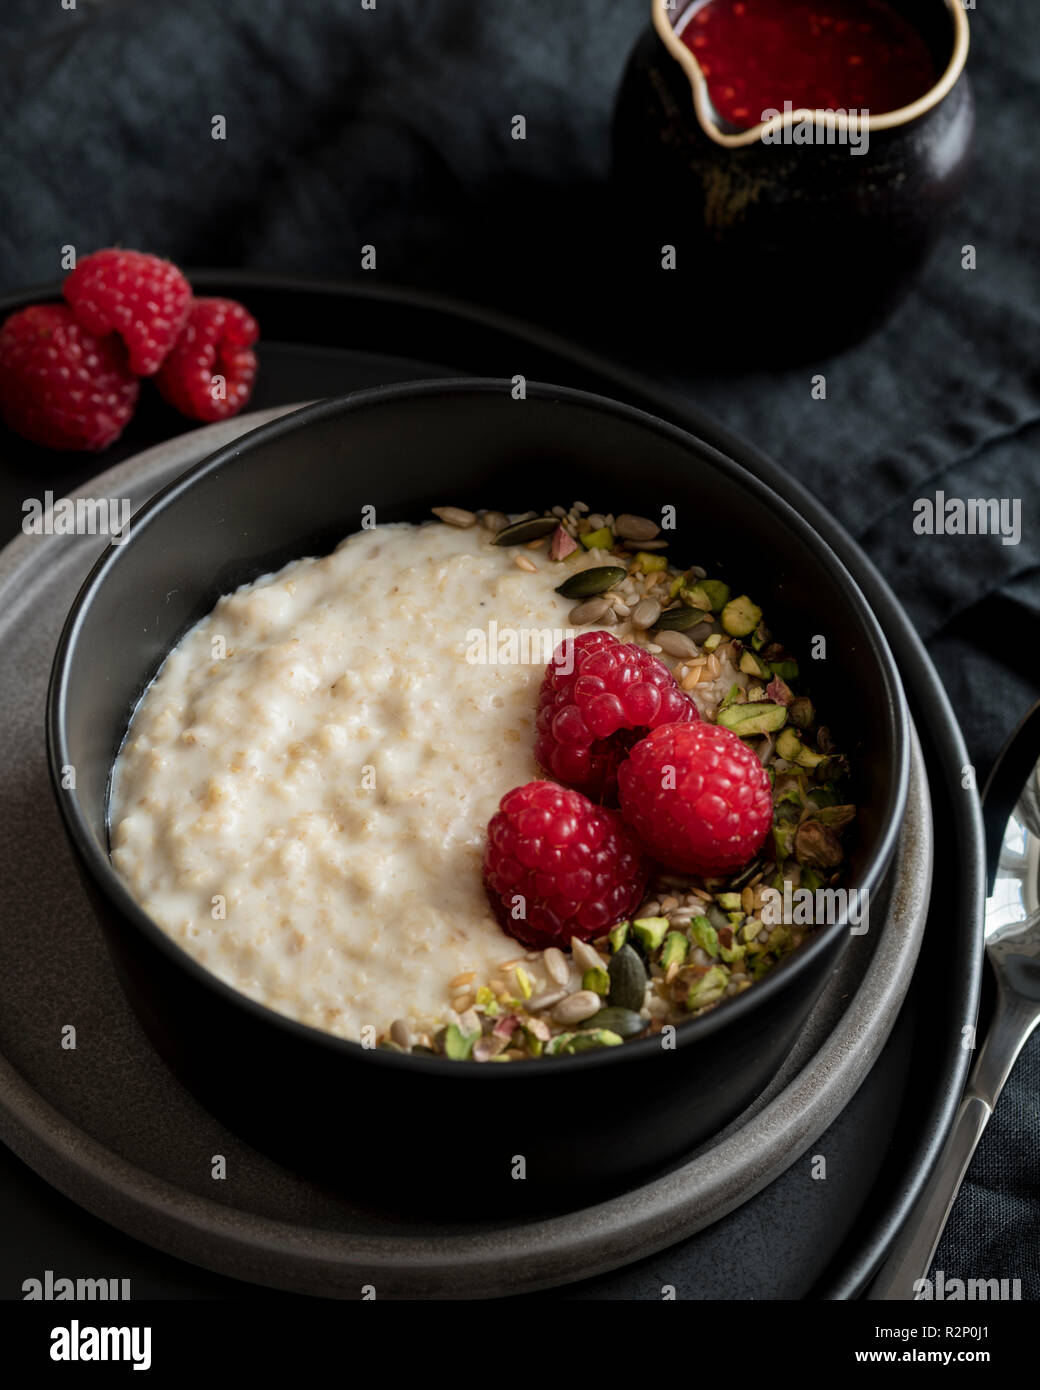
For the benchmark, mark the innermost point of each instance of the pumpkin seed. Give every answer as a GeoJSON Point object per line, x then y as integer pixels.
{"type": "Point", "coordinates": [626, 1023]}
{"type": "Point", "coordinates": [583, 1042]}
{"type": "Point", "coordinates": [520, 532]}
{"type": "Point", "coordinates": [679, 619]}
{"type": "Point", "coordinates": [627, 980]}
{"type": "Point", "coordinates": [596, 580]}
{"type": "Point", "coordinates": [636, 528]}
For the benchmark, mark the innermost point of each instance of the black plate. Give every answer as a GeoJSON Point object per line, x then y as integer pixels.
{"type": "Point", "coordinates": [326, 338]}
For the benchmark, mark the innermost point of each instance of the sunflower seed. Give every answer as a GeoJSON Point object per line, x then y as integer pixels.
{"type": "Point", "coordinates": [586, 957]}
{"type": "Point", "coordinates": [546, 1000]}
{"type": "Point", "coordinates": [636, 528]}
{"type": "Point", "coordinates": [556, 965]}
{"type": "Point", "coordinates": [675, 643]}
{"type": "Point", "coordinates": [455, 516]}
{"type": "Point", "coordinates": [646, 613]}
{"type": "Point", "coordinates": [591, 581]}
{"type": "Point", "coordinates": [494, 521]}
{"type": "Point", "coordinates": [577, 1007]}
{"type": "Point", "coordinates": [401, 1033]}
{"type": "Point", "coordinates": [533, 529]}
{"type": "Point", "coordinates": [590, 610]}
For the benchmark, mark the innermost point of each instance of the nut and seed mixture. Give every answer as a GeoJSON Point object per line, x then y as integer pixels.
{"type": "Point", "coordinates": [695, 941]}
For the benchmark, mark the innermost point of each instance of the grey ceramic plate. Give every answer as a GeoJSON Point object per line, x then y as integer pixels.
{"type": "Point", "coordinates": [109, 1126]}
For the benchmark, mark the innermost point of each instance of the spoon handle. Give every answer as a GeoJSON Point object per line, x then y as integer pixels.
{"type": "Point", "coordinates": [911, 1255]}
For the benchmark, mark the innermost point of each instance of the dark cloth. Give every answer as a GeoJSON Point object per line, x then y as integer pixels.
{"type": "Point", "coordinates": [392, 127]}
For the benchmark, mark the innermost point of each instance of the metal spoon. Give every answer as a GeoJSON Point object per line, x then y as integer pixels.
{"type": "Point", "coordinates": [1012, 927]}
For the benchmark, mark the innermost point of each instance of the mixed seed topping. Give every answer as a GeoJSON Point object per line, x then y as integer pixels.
{"type": "Point", "coordinates": [696, 941]}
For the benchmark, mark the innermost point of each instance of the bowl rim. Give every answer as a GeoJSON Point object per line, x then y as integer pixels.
{"type": "Point", "coordinates": [127, 912]}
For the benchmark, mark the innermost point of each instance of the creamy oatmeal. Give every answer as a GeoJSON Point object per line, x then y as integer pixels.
{"type": "Point", "coordinates": [303, 795]}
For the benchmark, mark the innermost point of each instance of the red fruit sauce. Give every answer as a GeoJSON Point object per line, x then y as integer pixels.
{"type": "Point", "coordinates": [824, 54]}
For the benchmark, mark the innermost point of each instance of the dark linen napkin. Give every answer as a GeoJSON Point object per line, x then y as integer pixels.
{"type": "Point", "coordinates": [391, 127]}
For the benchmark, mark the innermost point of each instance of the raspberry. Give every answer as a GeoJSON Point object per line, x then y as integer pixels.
{"type": "Point", "coordinates": [217, 341]}
{"type": "Point", "coordinates": [588, 719]}
{"type": "Point", "coordinates": [142, 298]}
{"type": "Point", "coordinates": [59, 385]}
{"type": "Point", "coordinates": [697, 797]}
{"type": "Point", "coordinates": [564, 866]}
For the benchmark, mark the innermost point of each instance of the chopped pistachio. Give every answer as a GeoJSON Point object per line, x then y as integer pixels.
{"type": "Point", "coordinates": [757, 717]}
{"type": "Point", "coordinates": [596, 1037]}
{"type": "Point", "coordinates": [730, 954]}
{"type": "Point", "coordinates": [705, 935]}
{"type": "Point", "coordinates": [729, 901]}
{"type": "Point", "coordinates": [524, 981]}
{"type": "Point", "coordinates": [458, 1045]}
{"type": "Point", "coordinates": [650, 931]}
{"type": "Point", "coordinates": [779, 939]}
{"type": "Point", "coordinates": [730, 698]}
{"type": "Point", "coordinates": [598, 540]}
{"type": "Point", "coordinates": [801, 712]}
{"type": "Point", "coordinates": [596, 980]}
{"type": "Point", "coordinates": [618, 936]}
{"type": "Point", "coordinates": [716, 593]}
{"type": "Point", "coordinates": [791, 747]}
{"type": "Point", "coordinates": [708, 988]}
{"type": "Point", "coordinates": [740, 616]}
{"type": "Point", "coordinates": [676, 949]}
{"type": "Point", "coordinates": [650, 563]}
{"type": "Point", "coordinates": [710, 643]}
{"type": "Point", "coordinates": [751, 666]}
{"type": "Point", "coordinates": [787, 669]}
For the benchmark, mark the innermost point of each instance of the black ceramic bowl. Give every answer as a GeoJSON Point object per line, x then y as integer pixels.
{"type": "Point", "coordinates": [449, 1133]}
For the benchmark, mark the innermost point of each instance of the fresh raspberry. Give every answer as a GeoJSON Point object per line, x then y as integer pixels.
{"type": "Point", "coordinates": [557, 866]}
{"type": "Point", "coordinates": [698, 798]}
{"type": "Point", "coordinates": [217, 342]}
{"type": "Point", "coordinates": [589, 717]}
{"type": "Point", "coordinates": [142, 298]}
{"type": "Point", "coordinates": [59, 385]}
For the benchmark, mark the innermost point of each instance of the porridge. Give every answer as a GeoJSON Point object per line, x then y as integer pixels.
{"type": "Point", "coordinates": [303, 797]}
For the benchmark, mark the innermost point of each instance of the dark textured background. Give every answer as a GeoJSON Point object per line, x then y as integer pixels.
{"type": "Point", "coordinates": [392, 127]}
